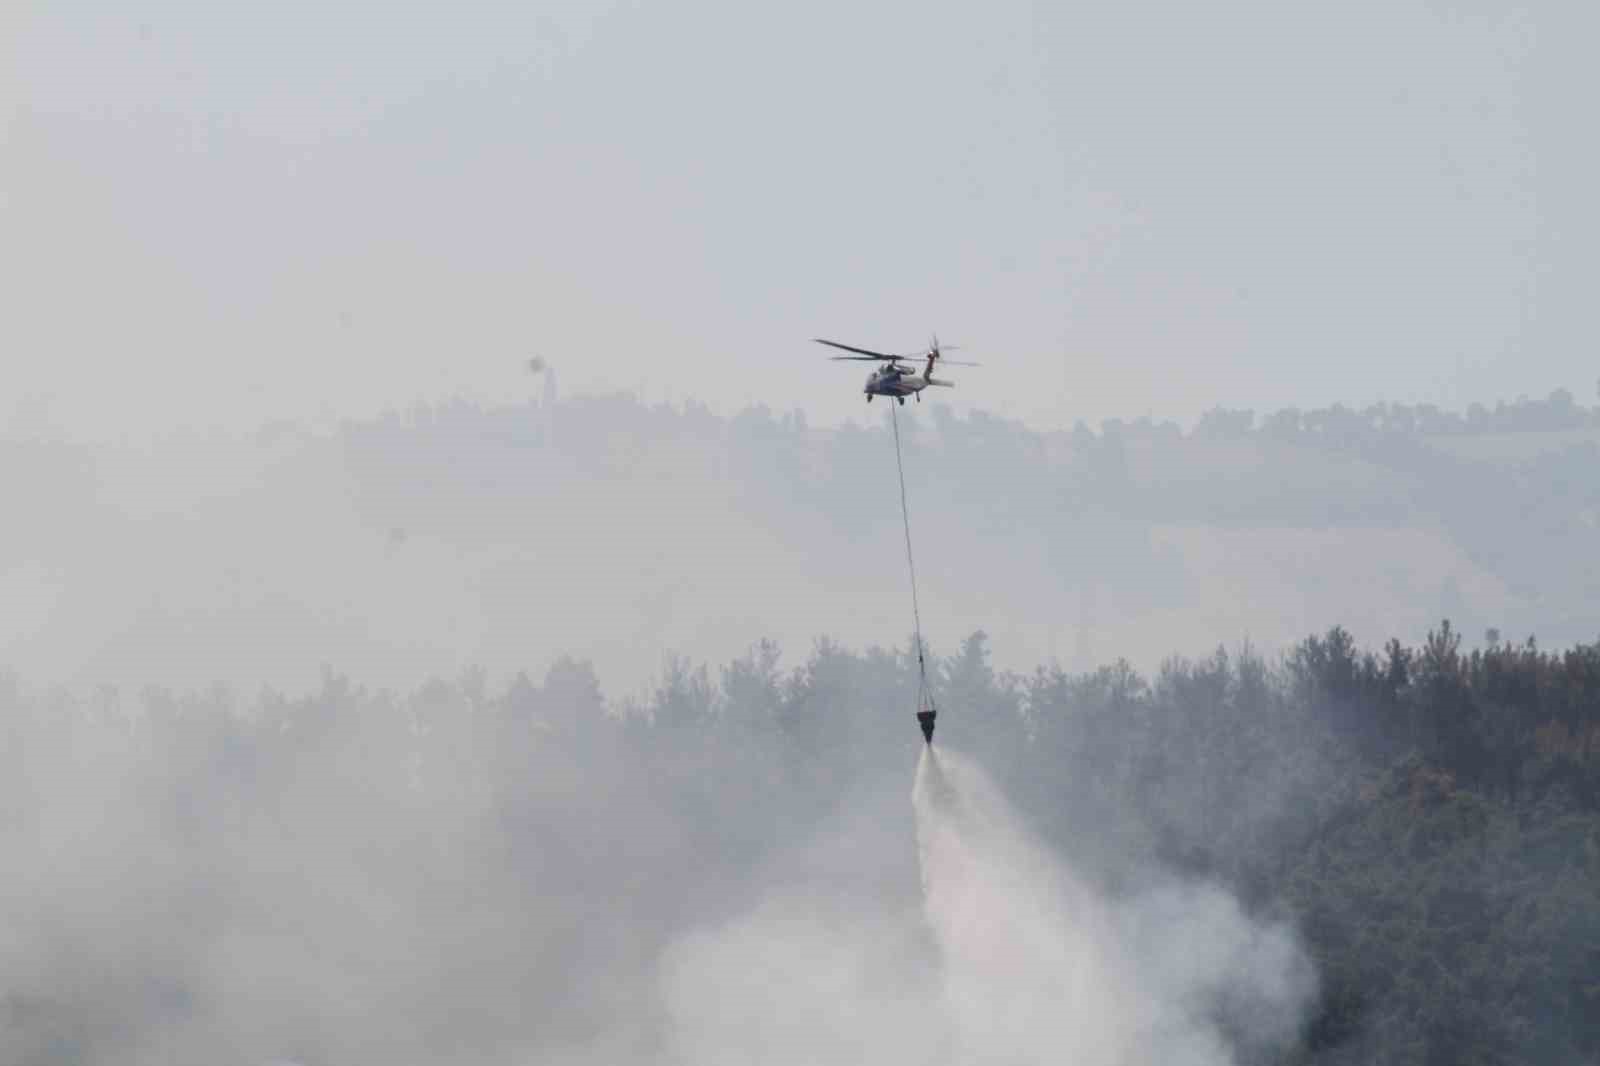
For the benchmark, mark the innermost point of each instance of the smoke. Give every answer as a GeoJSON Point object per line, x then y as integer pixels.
{"type": "Point", "coordinates": [1038, 965]}
{"type": "Point", "coordinates": [364, 879]}
{"type": "Point", "coordinates": [368, 893]}
{"type": "Point", "coordinates": [333, 886]}
{"type": "Point", "coordinates": [1009, 958]}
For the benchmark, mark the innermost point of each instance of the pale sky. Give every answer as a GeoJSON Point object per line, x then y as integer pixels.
{"type": "Point", "coordinates": [218, 214]}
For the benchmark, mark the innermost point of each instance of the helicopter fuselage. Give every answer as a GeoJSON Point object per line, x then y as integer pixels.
{"type": "Point", "coordinates": [898, 382]}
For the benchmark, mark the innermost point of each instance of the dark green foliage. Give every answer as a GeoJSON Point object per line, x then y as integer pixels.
{"type": "Point", "coordinates": [1429, 817]}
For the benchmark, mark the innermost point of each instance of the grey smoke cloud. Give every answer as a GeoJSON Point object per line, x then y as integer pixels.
{"type": "Point", "coordinates": [361, 878]}
{"type": "Point", "coordinates": [1008, 956]}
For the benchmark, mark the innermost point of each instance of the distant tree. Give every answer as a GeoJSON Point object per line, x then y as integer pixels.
{"type": "Point", "coordinates": [984, 709]}
{"type": "Point", "coordinates": [570, 698]}
{"type": "Point", "coordinates": [683, 698]}
{"type": "Point", "coordinates": [1222, 423]}
{"type": "Point", "coordinates": [752, 688]}
{"type": "Point", "coordinates": [1282, 425]}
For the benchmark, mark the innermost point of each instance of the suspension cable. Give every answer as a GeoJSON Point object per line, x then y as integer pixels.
{"type": "Point", "coordinates": [924, 695]}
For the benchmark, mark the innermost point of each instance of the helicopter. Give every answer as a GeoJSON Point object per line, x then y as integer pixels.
{"type": "Point", "coordinates": [893, 379]}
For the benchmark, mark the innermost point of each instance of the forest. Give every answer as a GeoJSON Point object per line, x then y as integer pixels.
{"type": "Point", "coordinates": [492, 874]}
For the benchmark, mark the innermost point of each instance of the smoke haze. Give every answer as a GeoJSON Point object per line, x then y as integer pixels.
{"type": "Point", "coordinates": [420, 545]}
{"type": "Point", "coordinates": [450, 611]}
{"type": "Point", "coordinates": [353, 879]}
{"type": "Point", "coordinates": [1037, 965]}
{"type": "Point", "coordinates": [323, 209]}
{"type": "Point", "coordinates": [1007, 957]}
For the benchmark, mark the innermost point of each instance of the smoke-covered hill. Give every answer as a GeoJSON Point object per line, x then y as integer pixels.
{"type": "Point", "coordinates": [415, 545]}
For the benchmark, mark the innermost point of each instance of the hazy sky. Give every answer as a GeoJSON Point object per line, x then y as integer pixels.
{"type": "Point", "coordinates": [221, 213]}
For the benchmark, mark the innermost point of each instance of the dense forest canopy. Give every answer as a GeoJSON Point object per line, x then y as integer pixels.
{"type": "Point", "coordinates": [495, 873]}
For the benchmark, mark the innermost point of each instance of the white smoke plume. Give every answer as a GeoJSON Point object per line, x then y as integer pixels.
{"type": "Point", "coordinates": [1039, 966]}
{"type": "Point", "coordinates": [1012, 959]}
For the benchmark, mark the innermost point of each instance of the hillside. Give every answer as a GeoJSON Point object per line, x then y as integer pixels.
{"type": "Point", "coordinates": [418, 544]}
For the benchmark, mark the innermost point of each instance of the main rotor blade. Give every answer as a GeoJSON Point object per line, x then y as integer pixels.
{"type": "Point", "coordinates": [861, 358]}
{"type": "Point", "coordinates": [859, 351]}
{"type": "Point", "coordinates": [955, 362]}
